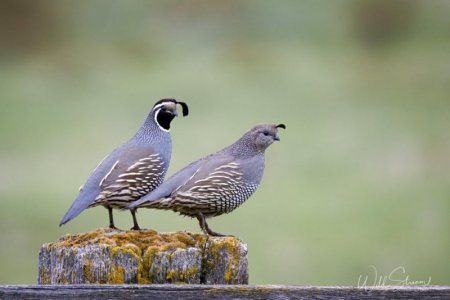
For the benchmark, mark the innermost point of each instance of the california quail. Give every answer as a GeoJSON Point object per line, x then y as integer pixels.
{"type": "Point", "coordinates": [218, 183]}
{"type": "Point", "coordinates": [132, 170]}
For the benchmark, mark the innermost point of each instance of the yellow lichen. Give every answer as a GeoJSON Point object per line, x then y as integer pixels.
{"type": "Point", "coordinates": [233, 260]}
{"type": "Point", "coordinates": [87, 271]}
{"type": "Point", "coordinates": [172, 275]}
{"type": "Point", "coordinates": [63, 279]}
{"type": "Point", "coordinates": [116, 275]}
{"type": "Point", "coordinates": [189, 273]}
{"type": "Point", "coordinates": [142, 274]}
{"type": "Point", "coordinates": [132, 250]}
{"type": "Point", "coordinates": [44, 276]}
{"type": "Point", "coordinates": [232, 245]}
{"type": "Point", "coordinates": [143, 245]}
{"type": "Point", "coordinates": [179, 276]}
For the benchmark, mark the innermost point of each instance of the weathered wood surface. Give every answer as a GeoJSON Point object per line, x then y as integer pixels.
{"type": "Point", "coordinates": [108, 256]}
{"type": "Point", "coordinates": [172, 291]}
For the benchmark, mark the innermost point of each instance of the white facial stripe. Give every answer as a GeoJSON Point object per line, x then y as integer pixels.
{"type": "Point", "coordinates": [156, 119]}
{"type": "Point", "coordinates": [162, 104]}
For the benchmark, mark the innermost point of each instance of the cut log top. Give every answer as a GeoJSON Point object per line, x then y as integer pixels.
{"type": "Point", "coordinates": [113, 257]}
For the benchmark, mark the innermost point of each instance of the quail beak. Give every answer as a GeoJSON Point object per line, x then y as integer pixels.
{"type": "Point", "coordinates": [172, 109]}
{"type": "Point", "coordinates": [276, 138]}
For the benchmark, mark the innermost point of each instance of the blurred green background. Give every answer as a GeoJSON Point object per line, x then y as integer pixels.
{"type": "Point", "coordinates": [361, 176]}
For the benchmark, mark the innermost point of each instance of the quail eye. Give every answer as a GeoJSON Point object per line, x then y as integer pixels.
{"type": "Point", "coordinates": [266, 133]}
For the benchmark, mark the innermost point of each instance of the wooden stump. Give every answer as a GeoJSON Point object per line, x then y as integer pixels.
{"type": "Point", "coordinates": [113, 257]}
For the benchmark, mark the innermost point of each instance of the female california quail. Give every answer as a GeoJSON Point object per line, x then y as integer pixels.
{"type": "Point", "coordinates": [218, 183]}
{"type": "Point", "coordinates": [132, 170]}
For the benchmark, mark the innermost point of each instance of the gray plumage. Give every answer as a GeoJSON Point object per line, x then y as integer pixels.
{"type": "Point", "coordinates": [133, 169]}
{"type": "Point", "coordinates": [218, 183]}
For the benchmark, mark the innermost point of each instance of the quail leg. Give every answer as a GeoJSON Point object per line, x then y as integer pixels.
{"type": "Point", "coordinates": [201, 222]}
{"type": "Point", "coordinates": [213, 233]}
{"type": "Point", "coordinates": [111, 219]}
{"type": "Point", "coordinates": [135, 223]}
{"type": "Point", "coordinates": [204, 226]}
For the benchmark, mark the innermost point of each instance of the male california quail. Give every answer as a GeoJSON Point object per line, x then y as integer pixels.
{"type": "Point", "coordinates": [132, 170]}
{"type": "Point", "coordinates": [217, 183]}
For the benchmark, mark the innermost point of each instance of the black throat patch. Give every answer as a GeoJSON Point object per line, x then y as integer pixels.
{"type": "Point", "coordinates": [164, 118]}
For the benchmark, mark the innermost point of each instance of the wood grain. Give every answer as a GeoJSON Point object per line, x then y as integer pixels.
{"type": "Point", "coordinates": [172, 291]}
